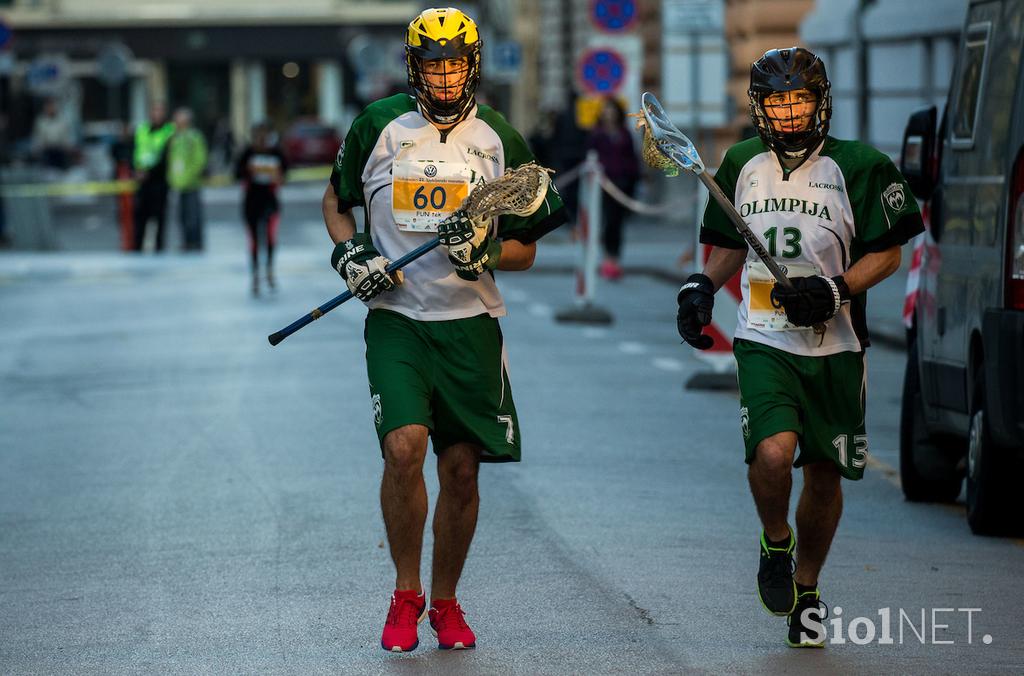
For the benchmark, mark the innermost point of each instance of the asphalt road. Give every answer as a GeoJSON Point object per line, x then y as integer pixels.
{"type": "Point", "coordinates": [178, 497]}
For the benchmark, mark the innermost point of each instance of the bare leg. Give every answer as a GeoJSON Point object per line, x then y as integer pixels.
{"type": "Point", "coordinates": [817, 517]}
{"type": "Point", "coordinates": [454, 516]}
{"type": "Point", "coordinates": [403, 501]}
{"type": "Point", "coordinates": [771, 481]}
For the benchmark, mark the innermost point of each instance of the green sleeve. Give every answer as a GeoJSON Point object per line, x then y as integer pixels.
{"type": "Point", "coordinates": [551, 213]}
{"type": "Point", "coordinates": [885, 211]}
{"type": "Point", "coordinates": [716, 228]}
{"type": "Point", "coordinates": [347, 172]}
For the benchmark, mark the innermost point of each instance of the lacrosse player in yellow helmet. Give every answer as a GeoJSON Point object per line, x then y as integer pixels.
{"type": "Point", "coordinates": [436, 362]}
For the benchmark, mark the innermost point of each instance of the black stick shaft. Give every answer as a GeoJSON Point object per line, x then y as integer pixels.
{"type": "Point", "coordinates": [319, 312]}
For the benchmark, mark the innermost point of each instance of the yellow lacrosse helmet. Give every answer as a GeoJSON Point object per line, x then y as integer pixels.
{"type": "Point", "coordinates": [440, 34]}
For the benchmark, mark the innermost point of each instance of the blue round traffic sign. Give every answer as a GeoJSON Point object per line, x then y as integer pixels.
{"type": "Point", "coordinates": [602, 71]}
{"type": "Point", "coordinates": [613, 16]}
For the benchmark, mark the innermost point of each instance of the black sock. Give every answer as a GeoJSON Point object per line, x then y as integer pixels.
{"type": "Point", "coordinates": [803, 588]}
{"type": "Point", "coordinates": [781, 544]}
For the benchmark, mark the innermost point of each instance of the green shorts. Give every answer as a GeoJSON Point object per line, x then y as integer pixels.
{"type": "Point", "coordinates": [450, 376]}
{"type": "Point", "coordinates": [819, 398]}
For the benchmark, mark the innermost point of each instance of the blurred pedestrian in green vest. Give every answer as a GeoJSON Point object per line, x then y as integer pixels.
{"type": "Point", "coordinates": [186, 157]}
{"type": "Point", "coordinates": [150, 160]}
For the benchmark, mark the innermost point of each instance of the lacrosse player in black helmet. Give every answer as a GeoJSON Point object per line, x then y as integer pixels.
{"type": "Point", "coordinates": [833, 214]}
{"type": "Point", "coordinates": [435, 356]}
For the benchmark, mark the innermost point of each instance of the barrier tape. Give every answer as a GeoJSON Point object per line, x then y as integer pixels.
{"type": "Point", "coordinates": [572, 175]}
{"type": "Point", "coordinates": [119, 187]}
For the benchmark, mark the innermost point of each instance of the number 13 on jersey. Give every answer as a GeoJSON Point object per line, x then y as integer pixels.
{"type": "Point", "coordinates": [424, 192]}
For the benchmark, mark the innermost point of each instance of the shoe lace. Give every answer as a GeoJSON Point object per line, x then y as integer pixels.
{"type": "Point", "coordinates": [406, 611]}
{"type": "Point", "coordinates": [451, 615]}
{"type": "Point", "coordinates": [781, 567]}
{"type": "Point", "coordinates": [805, 601]}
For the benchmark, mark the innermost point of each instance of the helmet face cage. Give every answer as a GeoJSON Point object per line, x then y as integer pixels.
{"type": "Point", "coordinates": [783, 70]}
{"type": "Point", "coordinates": [435, 37]}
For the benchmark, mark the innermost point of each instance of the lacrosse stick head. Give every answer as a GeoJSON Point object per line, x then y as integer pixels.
{"type": "Point", "coordinates": [662, 137]}
{"type": "Point", "coordinates": [520, 191]}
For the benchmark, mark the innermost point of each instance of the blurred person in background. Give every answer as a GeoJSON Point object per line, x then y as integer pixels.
{"type": "Point", "coordinates": [614, 145]}
{"type": "Point", "coordinates": [261, 167]}
{"type": "Point", "coordinates": [52, 141]}
{"type": "Point", "coordinates": [569, 151]}
{"type": "Point", "coordinates": [186, 157]}
{"type": "Point", "coordinates": [150, 160]}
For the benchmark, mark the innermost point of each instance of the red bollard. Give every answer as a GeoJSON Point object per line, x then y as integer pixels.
{"type": "Point", "coordinates": [125, 203]}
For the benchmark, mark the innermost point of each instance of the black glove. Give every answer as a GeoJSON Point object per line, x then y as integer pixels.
{"type": "Point", "coordinates": [470, 249]}
{"type": "Point", "coordinates": [363, 268]}
{"type": "Point", "coordinates": [813, 300]}
{"type": "Point", "coordinates": [696, 299]}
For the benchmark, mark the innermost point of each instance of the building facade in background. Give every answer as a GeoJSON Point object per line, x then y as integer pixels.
{"type": "Point", "coordinates": [232, 63]}
{"type": "Point", "coordinates": [885, 58]}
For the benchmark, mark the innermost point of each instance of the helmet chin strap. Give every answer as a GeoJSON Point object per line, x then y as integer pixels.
{"type": "Point", "coordinates": [455, 119]}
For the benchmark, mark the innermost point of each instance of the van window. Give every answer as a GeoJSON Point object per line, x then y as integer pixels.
{"type": "Point", "coordinates": [972, 74]}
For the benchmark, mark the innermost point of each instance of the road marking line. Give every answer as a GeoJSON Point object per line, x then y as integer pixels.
{"type": "Point", "coordinates": [889, 473]}
{"type": "Point", "coordinates": [668, 364]}
{"type": "Point", "coordinates": [540, 310]}
{"type": "Point", "coordinates": [630, 347]}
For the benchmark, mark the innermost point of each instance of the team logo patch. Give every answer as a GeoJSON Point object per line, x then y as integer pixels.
{"type": "Point", "coordinates": [341, 155]}
{"type": "Point", "coordinates": [377, 411]}
{"type": "Point", "coordinates": [430, 170]}
{"type": "Point", "coordinates": [745, 422]}
{"type": "Point", "coordinates": [894, 196]}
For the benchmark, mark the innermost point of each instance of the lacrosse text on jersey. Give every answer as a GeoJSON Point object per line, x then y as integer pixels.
{"type": "Point", "coordinates": [845, 201]}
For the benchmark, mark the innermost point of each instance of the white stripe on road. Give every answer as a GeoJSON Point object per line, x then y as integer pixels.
{"type": "Point", "coordinates": [668, 364]}
{"type": "Point", "coordinates": [630, 347]}
{"type": "Point", "coordinates": [540, 310]}
{"type": "Point", "coordinates": [515, 295]}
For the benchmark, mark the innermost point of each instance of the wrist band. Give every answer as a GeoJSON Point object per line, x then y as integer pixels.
{"type": "Point", "coordinates": [836, 299]}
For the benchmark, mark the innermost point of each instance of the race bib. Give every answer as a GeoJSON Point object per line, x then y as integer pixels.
{"type": "Point", "coordinates": [760, 312]}
{"type": "Point", "coordinates": [424, 192]}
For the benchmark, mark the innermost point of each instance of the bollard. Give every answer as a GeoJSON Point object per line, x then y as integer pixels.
{"type": "Point", "coordinates": [584, 310]}
{"type": "Point", "coordinates": [125, 208]}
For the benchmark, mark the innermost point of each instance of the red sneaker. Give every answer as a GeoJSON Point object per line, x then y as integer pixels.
{"type": "Point", "coordinates": [408, 608]}
{"type": "Point", "coordinates": [611, 270]}
{"type": "Point", "coordinates": [448, 624]}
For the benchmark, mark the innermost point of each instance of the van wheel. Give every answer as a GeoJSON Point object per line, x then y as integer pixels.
{"type": "Point", "coordinates": [989, 470]}
{"type": "Point", "coordinates": [928, 470]}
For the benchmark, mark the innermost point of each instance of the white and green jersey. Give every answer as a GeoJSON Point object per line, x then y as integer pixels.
{"type": "Point", "coordinates": [407, 175]}
{"type": "Point", "coordinates": [846, 200]}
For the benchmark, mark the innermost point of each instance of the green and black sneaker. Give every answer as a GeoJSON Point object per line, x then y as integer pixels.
{"type": "Point", "coordinates": [807, 623]}
{"type": "Point", "coordinates": [775, 585]}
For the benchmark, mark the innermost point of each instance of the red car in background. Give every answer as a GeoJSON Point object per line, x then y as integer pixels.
{"type": "Point", "coordinates": [310, 142]}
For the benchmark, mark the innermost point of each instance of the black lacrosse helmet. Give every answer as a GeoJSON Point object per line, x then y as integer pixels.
{"type": "Point", "coordinates": [783, 70]}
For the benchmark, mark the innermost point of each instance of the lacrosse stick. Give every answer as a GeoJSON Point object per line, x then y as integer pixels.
{"type": "Point", "coordinates": [668, 149]}
{"type": "Point", "coordinates": [520, 192]}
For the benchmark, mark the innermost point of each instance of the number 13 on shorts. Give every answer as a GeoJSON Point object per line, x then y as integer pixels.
{"type": "Point", "coordinates": [858, 443]}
